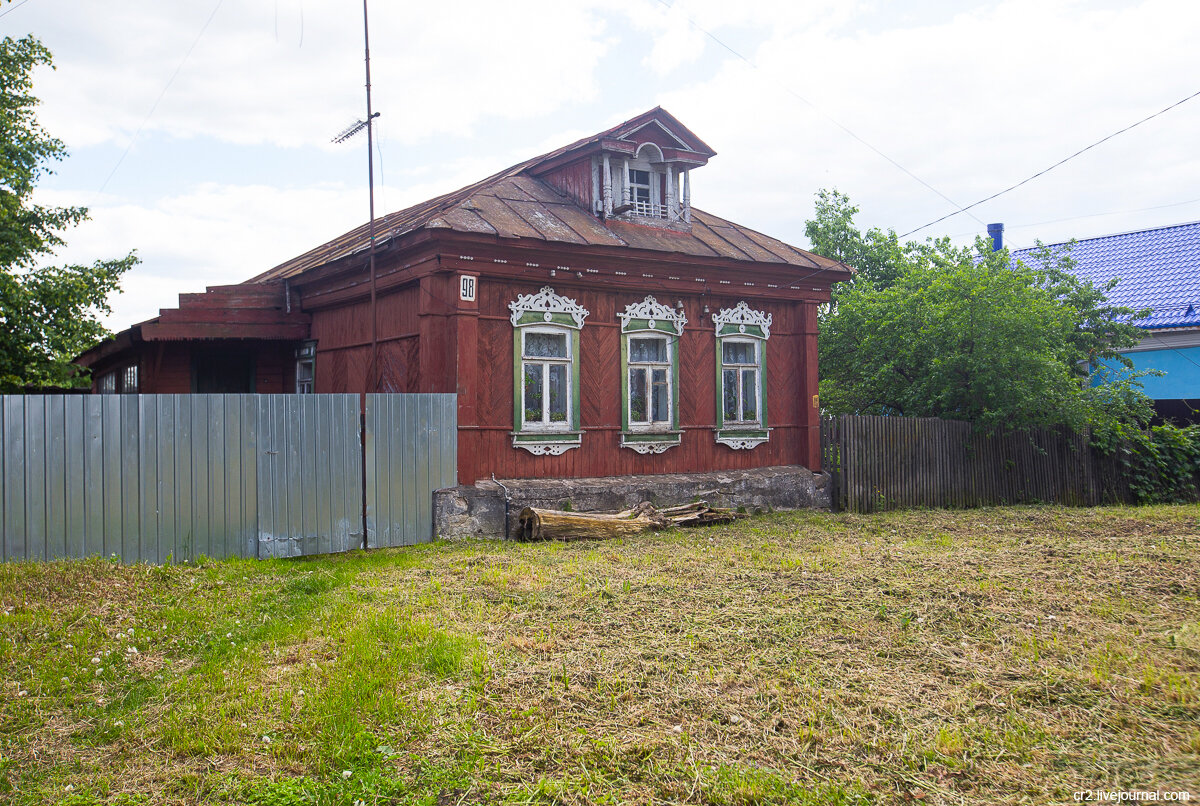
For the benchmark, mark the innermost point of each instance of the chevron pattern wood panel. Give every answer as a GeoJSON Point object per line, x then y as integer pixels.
{"type": "Point", "coordinates": [495, 374]}
{"type": "Point", "coordinates": [600, 376]}
{"type": "Point", "coordinates": [697, 398]}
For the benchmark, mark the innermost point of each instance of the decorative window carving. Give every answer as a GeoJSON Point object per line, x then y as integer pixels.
{"type": "Point", "coordinates": [650, 334]}
{"type": "Point", "coordinates": [742, 335]}
{"type": "Point", "coordinates": [546, 372]}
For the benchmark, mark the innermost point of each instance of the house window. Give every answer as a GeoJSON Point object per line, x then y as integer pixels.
{"type": "Point", "coordinates": [739, 382]}
{"type": "Point", "coordinates": [119, 381]}
{"type": "Point", "coordinates": [650, 335]}
{"type": "Point", "coordinates": [546, 372]}
{"type": "Point", "coordinates": [306, 356]}
{"type": "Point", "coordinates": [742, 335]}
{"type": "Point", "coordinates": [649, 383]}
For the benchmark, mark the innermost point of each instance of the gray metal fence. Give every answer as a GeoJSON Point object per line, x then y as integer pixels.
{"type": "Point", "coordinates": [412, 450]}
{"type": "Point", "coordinates": [309, 474]}
{"type": "Point", "coordinates": [173, 477]}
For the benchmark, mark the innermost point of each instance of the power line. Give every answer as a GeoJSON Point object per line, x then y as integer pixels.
{"type": "Point", "coordinates": [14, 8]}
{"type": "Point", "coordinates": [1055, 165]}
{"type": "Point", "coordinates": [1087, 215]}
{"type": "Point", "coordinates": [166, 87]}
{"type": "Point", "coordinates": [817, 109]}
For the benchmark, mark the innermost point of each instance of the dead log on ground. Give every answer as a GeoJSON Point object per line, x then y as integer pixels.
{"type": "Point", "coordinates": [549, 524]}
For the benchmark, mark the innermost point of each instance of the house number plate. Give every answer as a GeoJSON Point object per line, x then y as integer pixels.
{"type": "Point", "coordinates": [466, 287]}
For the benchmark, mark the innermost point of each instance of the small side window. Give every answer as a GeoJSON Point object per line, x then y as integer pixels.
{"type": "Point", "coordinates": [306, 357]}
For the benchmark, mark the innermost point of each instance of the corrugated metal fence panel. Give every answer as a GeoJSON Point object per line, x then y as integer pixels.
{"type": "Point", "coordinates": [173, 477]}
{"type": "Point", "coordinates": [141, 477]}
{"type": "Point", "coordinates": [411, 450]}
{"type": "Point", "coordinates": [309, 474]}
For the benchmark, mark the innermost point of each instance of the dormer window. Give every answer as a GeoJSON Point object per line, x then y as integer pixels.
{"type": "Point", "coordinates": [639, 191]}
{"type": "Point", "coordinates": [643, 186]}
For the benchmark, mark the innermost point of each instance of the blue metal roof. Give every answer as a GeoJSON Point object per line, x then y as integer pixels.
{"type": "Point", "coordinates": [1157, 268]}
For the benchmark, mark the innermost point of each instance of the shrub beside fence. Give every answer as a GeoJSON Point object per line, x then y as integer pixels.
{"type": "Point", "coordinates": [892, 462]}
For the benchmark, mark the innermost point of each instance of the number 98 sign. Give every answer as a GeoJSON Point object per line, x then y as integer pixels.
{"type": "Point", "coordinates": [466, 287]}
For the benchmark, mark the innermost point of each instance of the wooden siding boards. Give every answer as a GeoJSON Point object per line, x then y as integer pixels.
{"type": "Point", "coordinates": [893, 462]}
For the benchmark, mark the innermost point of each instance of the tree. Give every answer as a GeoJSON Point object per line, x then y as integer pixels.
{"type": "Point", "coordinates": [934, 330]}
{"type": "Point", "coordinates": [47, 315]}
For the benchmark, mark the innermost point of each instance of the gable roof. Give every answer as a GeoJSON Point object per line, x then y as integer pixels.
{"type": "Point", "coordinates": [1156, 268]}
{"type": "Point", "coordinates": [515, 203]}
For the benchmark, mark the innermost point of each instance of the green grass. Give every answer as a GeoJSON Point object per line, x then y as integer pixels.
{"type": "Point", "coordinates": [993, 656]}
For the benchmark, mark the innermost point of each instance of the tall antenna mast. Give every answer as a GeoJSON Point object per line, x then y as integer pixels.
{"type": "Point", "coordinates": [373, 372]}
{"type": "Point", "coordinates": [372, 380]}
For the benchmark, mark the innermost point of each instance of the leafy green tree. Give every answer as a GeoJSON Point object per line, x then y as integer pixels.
{"type": "Point", "coordinates": [47, 315]}
{"type": "Point", "coordinates": [934, 330]}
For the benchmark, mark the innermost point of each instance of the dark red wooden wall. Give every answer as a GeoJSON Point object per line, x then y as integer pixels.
{"type": "Point", "coordinates": [485, 445]}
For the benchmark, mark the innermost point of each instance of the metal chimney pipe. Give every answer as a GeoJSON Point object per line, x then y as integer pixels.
{"type": "Point", "coordinates": [996, 233]}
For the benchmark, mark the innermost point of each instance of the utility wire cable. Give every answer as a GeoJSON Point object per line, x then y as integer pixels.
{"type": "Point", "coordinates": [1086, 215]}
{"type": "Point", "coordinates": [819, 110]}
{"type": "Point", "coordinates": [1055, 165]}
{"type": "Point", "coordinates": [13, 8]}
{"type": "Point", "coordinates": [157, 100]}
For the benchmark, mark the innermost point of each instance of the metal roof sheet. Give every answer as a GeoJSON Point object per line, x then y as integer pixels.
{"type": "Point", "coordinates": [1155, 268]}
{"type": "Point", "coordinates": [516, 204]}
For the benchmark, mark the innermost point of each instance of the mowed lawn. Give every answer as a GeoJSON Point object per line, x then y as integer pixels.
{"type": "Point", "coordinates": [1011, 655]}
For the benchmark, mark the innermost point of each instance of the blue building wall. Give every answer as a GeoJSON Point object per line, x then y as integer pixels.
{"type": "Point", "coordinates": [1182, 368]}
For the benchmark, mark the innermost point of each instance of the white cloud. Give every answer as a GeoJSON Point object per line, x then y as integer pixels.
{"type": "Point", "coordinates": [970, 100]}
{"type": "Point", "coordinates": [288, 73]}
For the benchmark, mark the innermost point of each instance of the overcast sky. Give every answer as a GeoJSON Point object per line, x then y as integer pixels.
{"type": "Point", "coordinates": [199, 133]}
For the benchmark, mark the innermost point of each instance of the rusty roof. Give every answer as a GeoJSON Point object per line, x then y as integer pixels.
{"type": "Point", "coordinates": [515, 204]}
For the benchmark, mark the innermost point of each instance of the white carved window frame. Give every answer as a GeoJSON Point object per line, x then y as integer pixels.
{"type": "Point", "coordinates": [650, 318]}
{"type": "Point", "coordinates": [552, 313]}
{"type": "Point", "coordinates": [733, 325]}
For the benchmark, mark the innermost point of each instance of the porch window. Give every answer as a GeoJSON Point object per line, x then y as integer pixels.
{"type": "Point", "coordinates": [306, 357]}
{"type": "Point", "coordinates": [123, 380]}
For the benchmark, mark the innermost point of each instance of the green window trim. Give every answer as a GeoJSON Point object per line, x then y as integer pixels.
{"type": "Point", "coordinates": [737, 374]}
{"type": "Point", "coordinates": [651, 369]}
{"type": "Point", "coordinates": [545, 375]}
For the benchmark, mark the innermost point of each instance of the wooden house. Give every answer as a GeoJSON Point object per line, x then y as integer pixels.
{"type": "Point", "coordinates": [592, 322]}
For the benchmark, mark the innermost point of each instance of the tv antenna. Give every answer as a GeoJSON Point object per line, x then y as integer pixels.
{"type": "Point", "coordinates": [372, 379]}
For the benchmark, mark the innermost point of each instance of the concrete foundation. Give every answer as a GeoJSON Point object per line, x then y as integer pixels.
{"type": "Point", "coordinates": [479, 510]}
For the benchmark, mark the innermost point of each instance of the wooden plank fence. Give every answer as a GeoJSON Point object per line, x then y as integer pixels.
{"type": "Point", "coordinates": [158, 478]}
{"type": "Point", "coordinates": [878, 463]}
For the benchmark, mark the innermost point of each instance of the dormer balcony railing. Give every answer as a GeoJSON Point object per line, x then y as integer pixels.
{"type": "Point", "coordinates": [649, 209]}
